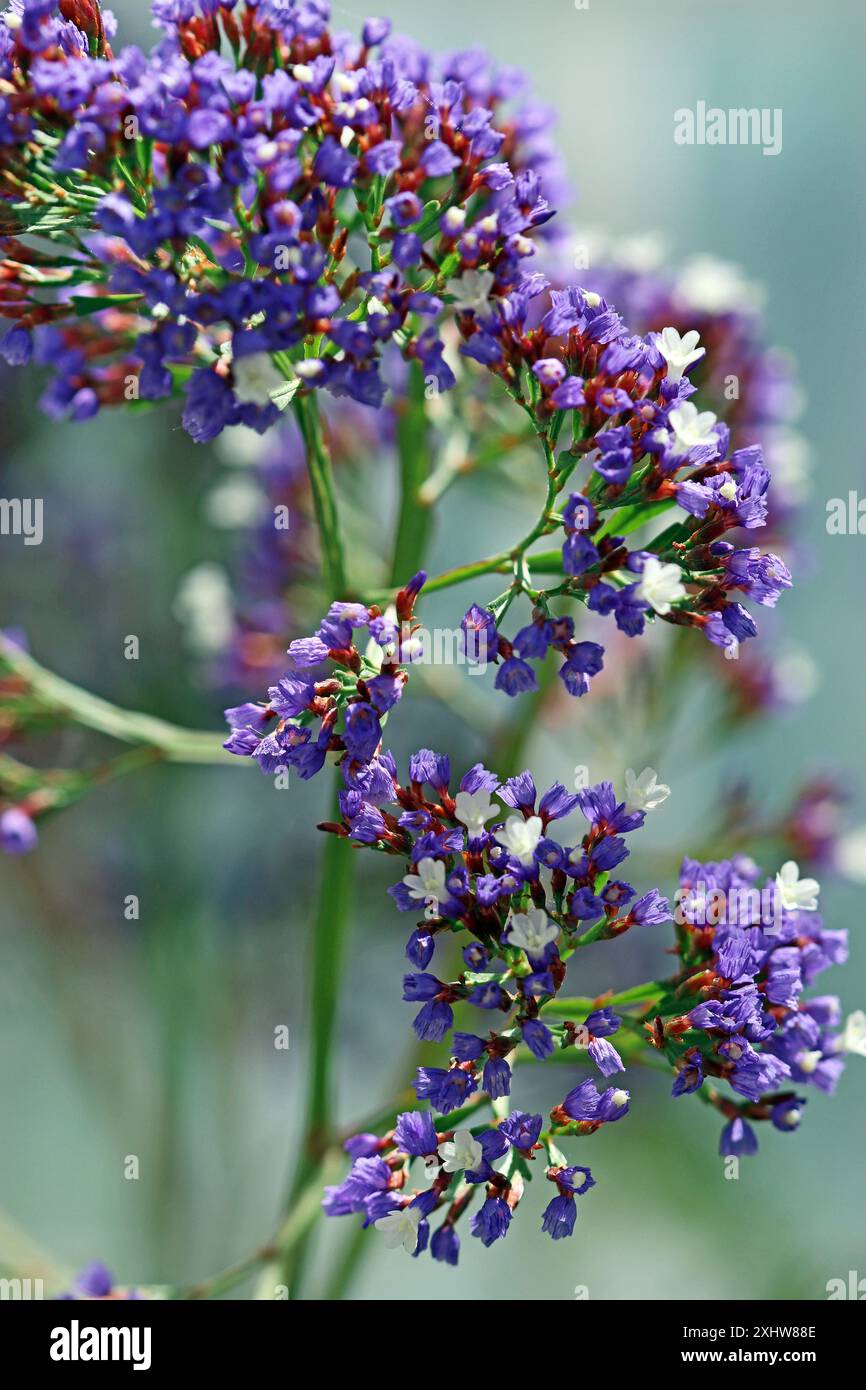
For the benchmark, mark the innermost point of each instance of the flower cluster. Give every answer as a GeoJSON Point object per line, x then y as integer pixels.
{"type": "Point", "coordinates": [341, 713]}
{"type": "Point", "coordinates": [259, 207]}
{"type": "Point", "coordinates": [524, 900]}
{"type": "Point", "coordinates": [483, 860]}
{"type": "Point", "coordinates": [567, 356]}
{"type": "Point", "coordinates": [751, 385]}
{"type": "Point", "coordinates": [378, 1185]}
{"type": "Point", "coordinates": [744, 972]}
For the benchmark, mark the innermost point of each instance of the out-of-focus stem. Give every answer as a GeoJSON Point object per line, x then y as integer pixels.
{"type": "Point", "coordinates": [330, 935]}
{"type": "Point", "coordinates": [324, 496]}
{"type": "Point", "coordinates": [64, 699]}
{"type": "Point", "coordinates": [415, 518]}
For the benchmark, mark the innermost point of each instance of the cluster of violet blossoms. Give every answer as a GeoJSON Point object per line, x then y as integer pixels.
{"type": "Point", "coordinates": [748, 969]}
{"type": "Point", "coordinates": [485, 861]}
{"type": "Point", "coordinates": [624, 401]}
{"type": "Point", "coordinates": [268, 204]}
{"type": "Point", "coordinates": [340, 709]}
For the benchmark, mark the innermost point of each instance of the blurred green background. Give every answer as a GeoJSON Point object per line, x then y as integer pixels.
{"type": "Point", "coordinates": [155, 1038]}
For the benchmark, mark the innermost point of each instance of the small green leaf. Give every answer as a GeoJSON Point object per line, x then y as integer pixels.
{"type": "Point", "coordinates": [628, 519]}
{"type": "Point", "coordinates": [94, 304]}
{"type": "Point", "coordinates": [282, 396]}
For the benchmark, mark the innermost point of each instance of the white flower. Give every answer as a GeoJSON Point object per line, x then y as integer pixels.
{"type": "Point", "coordinates": [532, 931]}
{"type": "Point", "coordinates": [854, 1036]}
{"type": "Point", "coordinates": [472, 291]}
{"type": "Point", "coordinates": [691, 427]}
{"type": "Point", "coordinates": [429, 882]}
{"type": "Point", "coordinates": [619, 1099]}
{"type": "Point", "coordinates": [660, 585]}
{"type": "Point", "coordinates": [808, 1061]}
{"type": "Point", "coordinates": [728, 490]}
{"type": "Point", "coordinates": [432, 1167]}
{"type": "Point", "coordinates": [714, 285]}
{"type": "Point", "coordinates": [646, 792]}
{"type": "Point", "coordinates": [642, 252]}
{"type": "Point", "coordinates": [797, 894]}
{"type": "Point", "coordinates": [203, 606]}
{"type": "Point", "coordinates": [520, 837]}
{"type": "Point", "coordinates": [400, 1228]}
{"type": "Point", "coordinates": [851, 854]}
{"type": "Point", "coordinates": [679, 353]}
{"type": "Point", "coordinates": [256, 378]}
{"type": "Point", "coordinates": [460, 1152]}
{"type": "Point", "coordinates": [474, 810]}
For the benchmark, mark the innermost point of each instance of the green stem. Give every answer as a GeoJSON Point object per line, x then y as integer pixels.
{"type": "Point", "coordinates": [639, 994]}
{"type": "Point", "coordinates": [66, 700]}
{"type": "Point", "coordinates": [295, 1229]}
{"type": "Point", "coordinates": [413, 446]}
{"type": "Point", "coordinates": [330, 936]}
{"type": "Point", "coordinates": [324, 497]}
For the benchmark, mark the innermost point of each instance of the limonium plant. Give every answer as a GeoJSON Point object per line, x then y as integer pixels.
{"type": "Point", "coordinates": [266, 218]}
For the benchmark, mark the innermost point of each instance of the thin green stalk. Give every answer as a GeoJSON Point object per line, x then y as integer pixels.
{"type": "Point", "coordinates": [415, 519]}
{"type": "Point", "coordinates": [294, 1229]}
{"type": "Point", "coordinates": [62, 698]}
{"type": "Point", "coordinates": [324, 496]}
{"type": "Point", "coordinates": [330, 936]}
{"type": "Point", "coordinates": [639, 994]}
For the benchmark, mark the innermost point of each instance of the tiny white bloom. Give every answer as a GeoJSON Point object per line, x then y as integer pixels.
{"type": "Point", "coordinates": [797, 894]}
{"type": "Point", "coordinates": [429, 882]}
{"type": "Point", "coordinates": [791, 1118]}
{"type": "Point", "coordinates": [728, 490]}
{"type": "Point", "coordinates": [715, 285]}
{"type": "Point", "coordinates": [520, 837]}
{"type": "Point", "coordinates": [375, 654]}
{"type": "Point", "coordinates": [808, 1061]}
{"type": "Point", "coordinates": [472, 291]}
{"type": "Point", "coordinates": [619, 1099]}
{"type": "Point", "coordinates": [531, 931]}
{"type": "Point", "coordinates": [460, 1152]}
{"type": "Point", "coordinates": [400, 1228]}
{"type": "Point", "coordinates": [691, 426]}
{"type": "Point", "coordinates": [256, 378]}
{"type": "Point", "coordinates": [851, 854]}
{"type": "Point", "coordinates": [679, 353]}
{"type": "Point", "coordinates": [646, 792]}
{"type": "Point", "coordinates": [641, 252]}
{"type": "Point", "coordinates": [301, 72]}
{"type": "Point", "coordinates": [854, 1036]}
{"type": "Point", "coordinates": [432, 1167]}
{"type": "Point", "coordinates": [309, 370]}
{"type": "Point", "coordinates": [474, 810]}
{"type": "Point", "coordinates": [660, 585]}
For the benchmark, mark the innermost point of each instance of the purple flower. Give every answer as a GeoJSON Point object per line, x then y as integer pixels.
{"type": "Point", "coordinates": [480, 638]}
{"type": "Point", "coordinates": [415, 1133]}
{"type": "Point", "coordinates": [737, 1139]}
{"type": "Point", "coordinates": [491, 1222]}
{"type": "Point", "coordinates": [496, 1077]}
{"type": "Point", "coordinates": [521, 1130]}
{"type": "Point", "coordinates": [516, 677]}
{"type": "Point", "coordinates": [363, 732]}
{"type": "Point", "coordinates": [18, 834]}
{"type": "Point", "coordinates": [559, 1216]}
